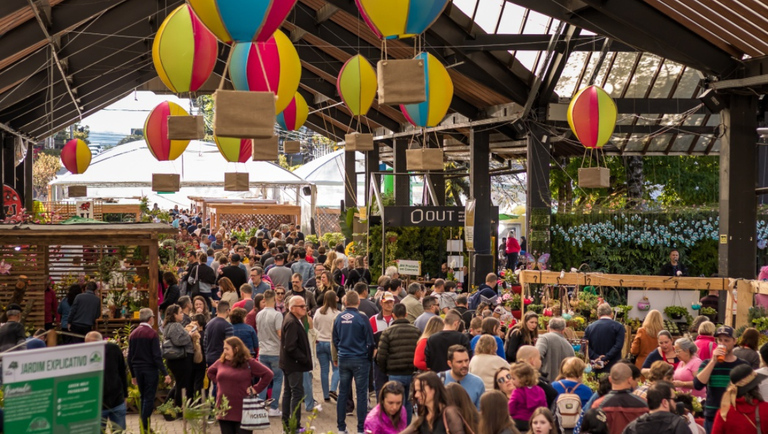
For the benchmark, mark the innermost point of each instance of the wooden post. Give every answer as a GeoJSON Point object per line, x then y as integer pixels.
{"type": "Point", "coordinates": [154, 261]}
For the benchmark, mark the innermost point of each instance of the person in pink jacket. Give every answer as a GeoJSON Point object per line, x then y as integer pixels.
{"type": "Point", "coordinates": [389, 416]}
{"type": "Point", "coordinates": [512, 251]}
{"type": "Point", "coordinates": [527, 397]}
{"type": "Point", "coordinates": [705, 341]}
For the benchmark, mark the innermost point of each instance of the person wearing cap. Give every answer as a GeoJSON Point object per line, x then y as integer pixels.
{"type": "Point", "coordinates": [280, 274]}
{"type": "Point", "coordinates": [397, 344]}
{"type": "Point", "coordinates": [714, 375]}
{"type": "Point", "coordinates": [12, 333]}
{"type": "Point", "coordinates": [660, 418]}
{"type": "Point", "coordinates": [742, 409]}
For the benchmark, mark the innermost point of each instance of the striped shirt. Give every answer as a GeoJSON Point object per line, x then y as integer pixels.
{"type": "Point", "coordinates": [718, 382]}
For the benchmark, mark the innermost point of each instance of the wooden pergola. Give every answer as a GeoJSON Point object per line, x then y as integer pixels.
{"type": "Point", "coordinates": [236, 210]}
{"type": "Point", "coordinates": [62, 251]}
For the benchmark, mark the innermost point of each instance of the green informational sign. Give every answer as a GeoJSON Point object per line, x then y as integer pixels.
{"type": "Point", "coordinates": [54, 390]}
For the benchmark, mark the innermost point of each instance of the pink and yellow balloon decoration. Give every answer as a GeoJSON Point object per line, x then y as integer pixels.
{"type": "Point", "coordinates": [357, 85]}
{"type": "Point", "coordinates": [76, 156]}
{"type": "Point", "coordinates": [294, 116]}
{"type": "Point", "coordinates": [271, 66]}
{"type": "Point", "coordinates": [184, 51]}
{"type": "Point", "coordinates": [234, 150]}
{"type": "Point", "coordinates": [156, 132]}
{"type": "Point", "coordinates": [400, 18]}
{"type": "Point", "coordinates": [242, 20]}
{"type": "Point", "coordinates": [439, 88]}
{"type": "Point", "coordinates": [592, 116]}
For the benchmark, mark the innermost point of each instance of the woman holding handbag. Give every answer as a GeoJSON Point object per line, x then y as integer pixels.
{"type": "Point", "coordinates": [234, 373]}
{"type": "Point", "coordinates": [178, 351]}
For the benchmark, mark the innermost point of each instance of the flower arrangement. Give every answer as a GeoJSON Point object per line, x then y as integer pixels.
{"type": "Point", "coordinates": [512, 302]}
{"type": "Point", "coordinates": [115, 298]}
{"type": "Point", "coordinates": [135, 300]}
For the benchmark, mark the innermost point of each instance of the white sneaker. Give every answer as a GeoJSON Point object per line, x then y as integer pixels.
{"type": "Point", "coordinates": [319, 408]}
{"type": "Point", "coordinates": [273, 412]}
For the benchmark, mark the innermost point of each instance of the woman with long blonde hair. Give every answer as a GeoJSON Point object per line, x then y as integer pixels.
{"type": "Point", "coordinates": [330, 260]}
{"type": "Point", "coordinates": [434, 325]}
{"type": "Point", "coordinates": [646, 339]}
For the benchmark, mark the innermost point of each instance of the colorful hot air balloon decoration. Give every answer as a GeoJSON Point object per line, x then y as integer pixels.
{"type": "Point", "coordinates": [234, 150]}
{"type": "Point", "coordinates": [242, 20]}
{"type": "Point", "coordinates": [439, 88]}
{"type": "Point", "coordinates": [76, 156]}
{"type": "Point", "coordinates": [592, 116]}
{"type": "Point", "coordinates": [184, 51]}
{"type": "Point", "coordinates": [276, 60]}
{"type": "Point", "coordinates": [294, 116]}
{"type": "Point", "coordinates": [357, 85]}
{"type": "Point", "coordinates": [400, 18]}
{"type": "Point", "coordinates": [156, 132]}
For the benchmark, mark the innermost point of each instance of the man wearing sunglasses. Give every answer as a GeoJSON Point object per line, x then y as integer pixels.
{"type": "Point", "coordinates": [295, 357]}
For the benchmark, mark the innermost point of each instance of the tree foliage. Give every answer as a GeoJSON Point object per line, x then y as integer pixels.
{"type": "Point", "coordinates": [44, 171]}
{"type": "Point", "coordinates": [138, 135]}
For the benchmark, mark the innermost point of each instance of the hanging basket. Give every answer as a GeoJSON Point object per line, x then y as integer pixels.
{"type": "Point", "coordinates": [401, 81]}
{"type": "Point", "coordinates": [424, 159]}
{"type": "Point", "coordinates": [358, 142]}
{"type": "Point", "coordinates": [236, 181]}
{"type": "Point", "coordinates": [265, 149]}
{"type": "Point", "coordinates": [247, 115]}
{"type": "Point", "coordinates": [594, 177]}
{"type": "Point", "coordinates": [644, 305]}
{"type": "Point", "coordinates": [186, 127]}
{"type": "Point", "coordinates": [166, 182]}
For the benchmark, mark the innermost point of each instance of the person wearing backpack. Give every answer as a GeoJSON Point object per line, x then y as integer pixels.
{"type": "Point", "coordinates": [486, 290]}
{"type": "Point", "coordinates": [358, 275]}
{"type": "Point", "coordinates": [572, 395]}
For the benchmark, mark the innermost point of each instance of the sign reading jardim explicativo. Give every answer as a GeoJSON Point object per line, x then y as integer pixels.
{"type": "Point", "coordinates": [54, 390]}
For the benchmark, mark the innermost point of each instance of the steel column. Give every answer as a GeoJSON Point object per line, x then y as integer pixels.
{"type": "Point", "coordinates": [480, 190]}
{"type": "Point", "coordinates": [371, 166]}
{"type": "Point", "coordinates": [539, 203]}
{"type": "Point", "coordinates": [350, 180]}
{"type": "Point", "coordinates": [402, 182]}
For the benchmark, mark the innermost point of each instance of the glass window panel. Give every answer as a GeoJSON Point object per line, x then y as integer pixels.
{"type": "Point", "coordinates": [667, 76]}
{"type": "Point", "coordinates": [537, 24]}
{"type": "Point", "coordinates": [643, 75]}
{"type": "Point", "coordinates": [715, 148]}
{"type": "Point", "coordinates": [466, 6]}
{"type": "Point", "coordinates": [566, 85]}
{"type": "Point", "coordinates": [604, 69]}
{"type": "Point", "coordinates": [488, 14]}
{"type": "Point", "coordinates": [714, 120]}
{"type": "Point", "coordinates": [621, 71]}
{"type": "Point", "coordinates": [688, 84]}
{"type": "Point", "coordinates": [634, 144]}
{"type": "Point", "coordinates": [659, 143]}
{"type": "Point", "coordinates": [682, 142]}
{"type": "Point", "coordinates": [694, 120]}
{"type": "Point", "coordinates": [702, 144]}
{"type": "Point", "coordinates": [511, 19]}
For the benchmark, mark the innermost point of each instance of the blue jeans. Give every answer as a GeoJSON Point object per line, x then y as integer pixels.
{"type": "Point", "coordinates": [708, 423]}
{"type": "Point", "coordinates": [324, 357]}
{"type": "Point", "coordinates": [116, 415]}
{"type": "Point", "coordinates": [309, 400]}
{"type": "Point", "coordinates": [147, 382]}
{"type": "Point", "coordinates": [349, 369]}
{"type": "Point", "coordinates": [273, 363]}
{"type": "Point", "coordinates": [405, 380]}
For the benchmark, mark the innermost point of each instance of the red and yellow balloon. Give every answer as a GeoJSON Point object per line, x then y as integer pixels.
{"type": "Point", "coordinates": [76, 156]}
{"type": "Point", "coordinates": [276, 60]}
{"type": "Point", "coordinates": [234, 150]}
{"type": "Point", "coordinates": [439, 88]}
{"type": "Point", "coordinates": [156, 132]}
{"type": "Point", "coordinates": [357, 85]}
{"type": "Point", "coordinates": [294, 116]}
{"type": "Point", "coordinates": [592, 116]}
{"type": "Point", "coordinates": [184, 51]}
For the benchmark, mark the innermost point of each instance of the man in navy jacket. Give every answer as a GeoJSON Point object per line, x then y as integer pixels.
{"type": "Point", "coordinates": [606, 338]}
{"type": "Point", "coordinates": [353, 339]}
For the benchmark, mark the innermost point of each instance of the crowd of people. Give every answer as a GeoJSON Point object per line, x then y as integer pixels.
{"type": "Point", "coordinates": [257, 319]}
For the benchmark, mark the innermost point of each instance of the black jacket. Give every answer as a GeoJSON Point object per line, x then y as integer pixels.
{"type": "Point", "coordinates": [662, 422]}
{"type": "Point", "coordinates": [309, 299]}
{"type": "Point", "coordinates": [549, 391]}
{"type": "Point", "coordinates": [170, 297]}
{"type": "Point", "coordinates": [295, 353]}
{"type": "Point", "coordinates": [436, 351]}
{"type": "Point", "coordinates": [397, 345]}
{"type": "Point", "coordinates": [205, 273]}
{"type": "Point", "coordinates": [671, 270]}
{"type": "Point", "coordinates": [85, 310]}
{"type": "Point", "coordinates": [115, 379]}
{"type": "Point", "coordinates": [514, 342]}
{"type": "Point", "coordinates": [236, 275]}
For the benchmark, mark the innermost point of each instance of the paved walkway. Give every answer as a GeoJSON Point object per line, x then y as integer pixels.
{"type": "Point", "coordinates": [323, 422]}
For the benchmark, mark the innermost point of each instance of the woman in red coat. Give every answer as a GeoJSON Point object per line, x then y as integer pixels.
{"type": "Point", "coordinates": [741, 403]}
{"type": "Point", "coordinates": [513, 250]}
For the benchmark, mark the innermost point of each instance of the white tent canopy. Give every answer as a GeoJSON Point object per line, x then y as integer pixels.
{"type": "Point", "coordinates": [125, 171]}
{"type": "Point", "coordinates": [327, 173]}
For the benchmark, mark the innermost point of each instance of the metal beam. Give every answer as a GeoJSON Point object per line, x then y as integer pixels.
{"type": "Point", "coordinates": [54, 55]}
{"type": "Point", "coordinates": [555, 68]}
{"type": "Point", "coordinates": [637, 24]}
{"type": "Point", "coordinates": [516, 42]}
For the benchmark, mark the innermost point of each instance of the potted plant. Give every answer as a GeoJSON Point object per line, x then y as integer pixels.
{"type": "Point", "coordinates": [621, 312]}
{"type": "Point", "coordinates": [138, 256]}
{"type": "Point", "coordinates": [169, 411]}
{"type": "Point", "coordinates": [675, 312]}
{"type": "Point", "coordinates": [709, 312]}
{"type": "Point", "coordinates": [514, 304]}
{"type": "Point", "coordinates": [391, 236]}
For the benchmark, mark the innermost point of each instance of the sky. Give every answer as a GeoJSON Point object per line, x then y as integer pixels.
{"type": "Point", "coordinates": [129, 112]}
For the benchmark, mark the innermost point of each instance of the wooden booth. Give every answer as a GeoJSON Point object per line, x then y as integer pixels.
{"type": "Point", "coordinates": [246, 212]}
{"type": "Point", "coordinates": [124, 256]}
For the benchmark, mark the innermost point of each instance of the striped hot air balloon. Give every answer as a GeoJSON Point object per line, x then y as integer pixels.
{"type": "Point", "coordinates": [156, 132]}
{"type": "Point", "coordinates": [294, 116]}
{"type": "Point", "coordinates": [439, 88]}
{"type": "Point", "coordinates": [400, 18]}
{"type": "Point", "coordinates": [276, 60]}
{"type": "Point", "coordinates": [234, 150]}
{"type": "Point", "coordinates": [357, 85]}
{"type": "Point", "coordinates": [184, 51]}
{"type": "Point", "coordinates": [76, 156]}
{"type": "Point", "coordinates": [592, 116]}
{"type": "Point", "coordinates": [242, 20]}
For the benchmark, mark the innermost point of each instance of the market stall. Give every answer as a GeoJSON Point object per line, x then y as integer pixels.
{"type": "Point", "coordinates": [123, 258]}
{"type": "Point", "coordinates": [247, 213]}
